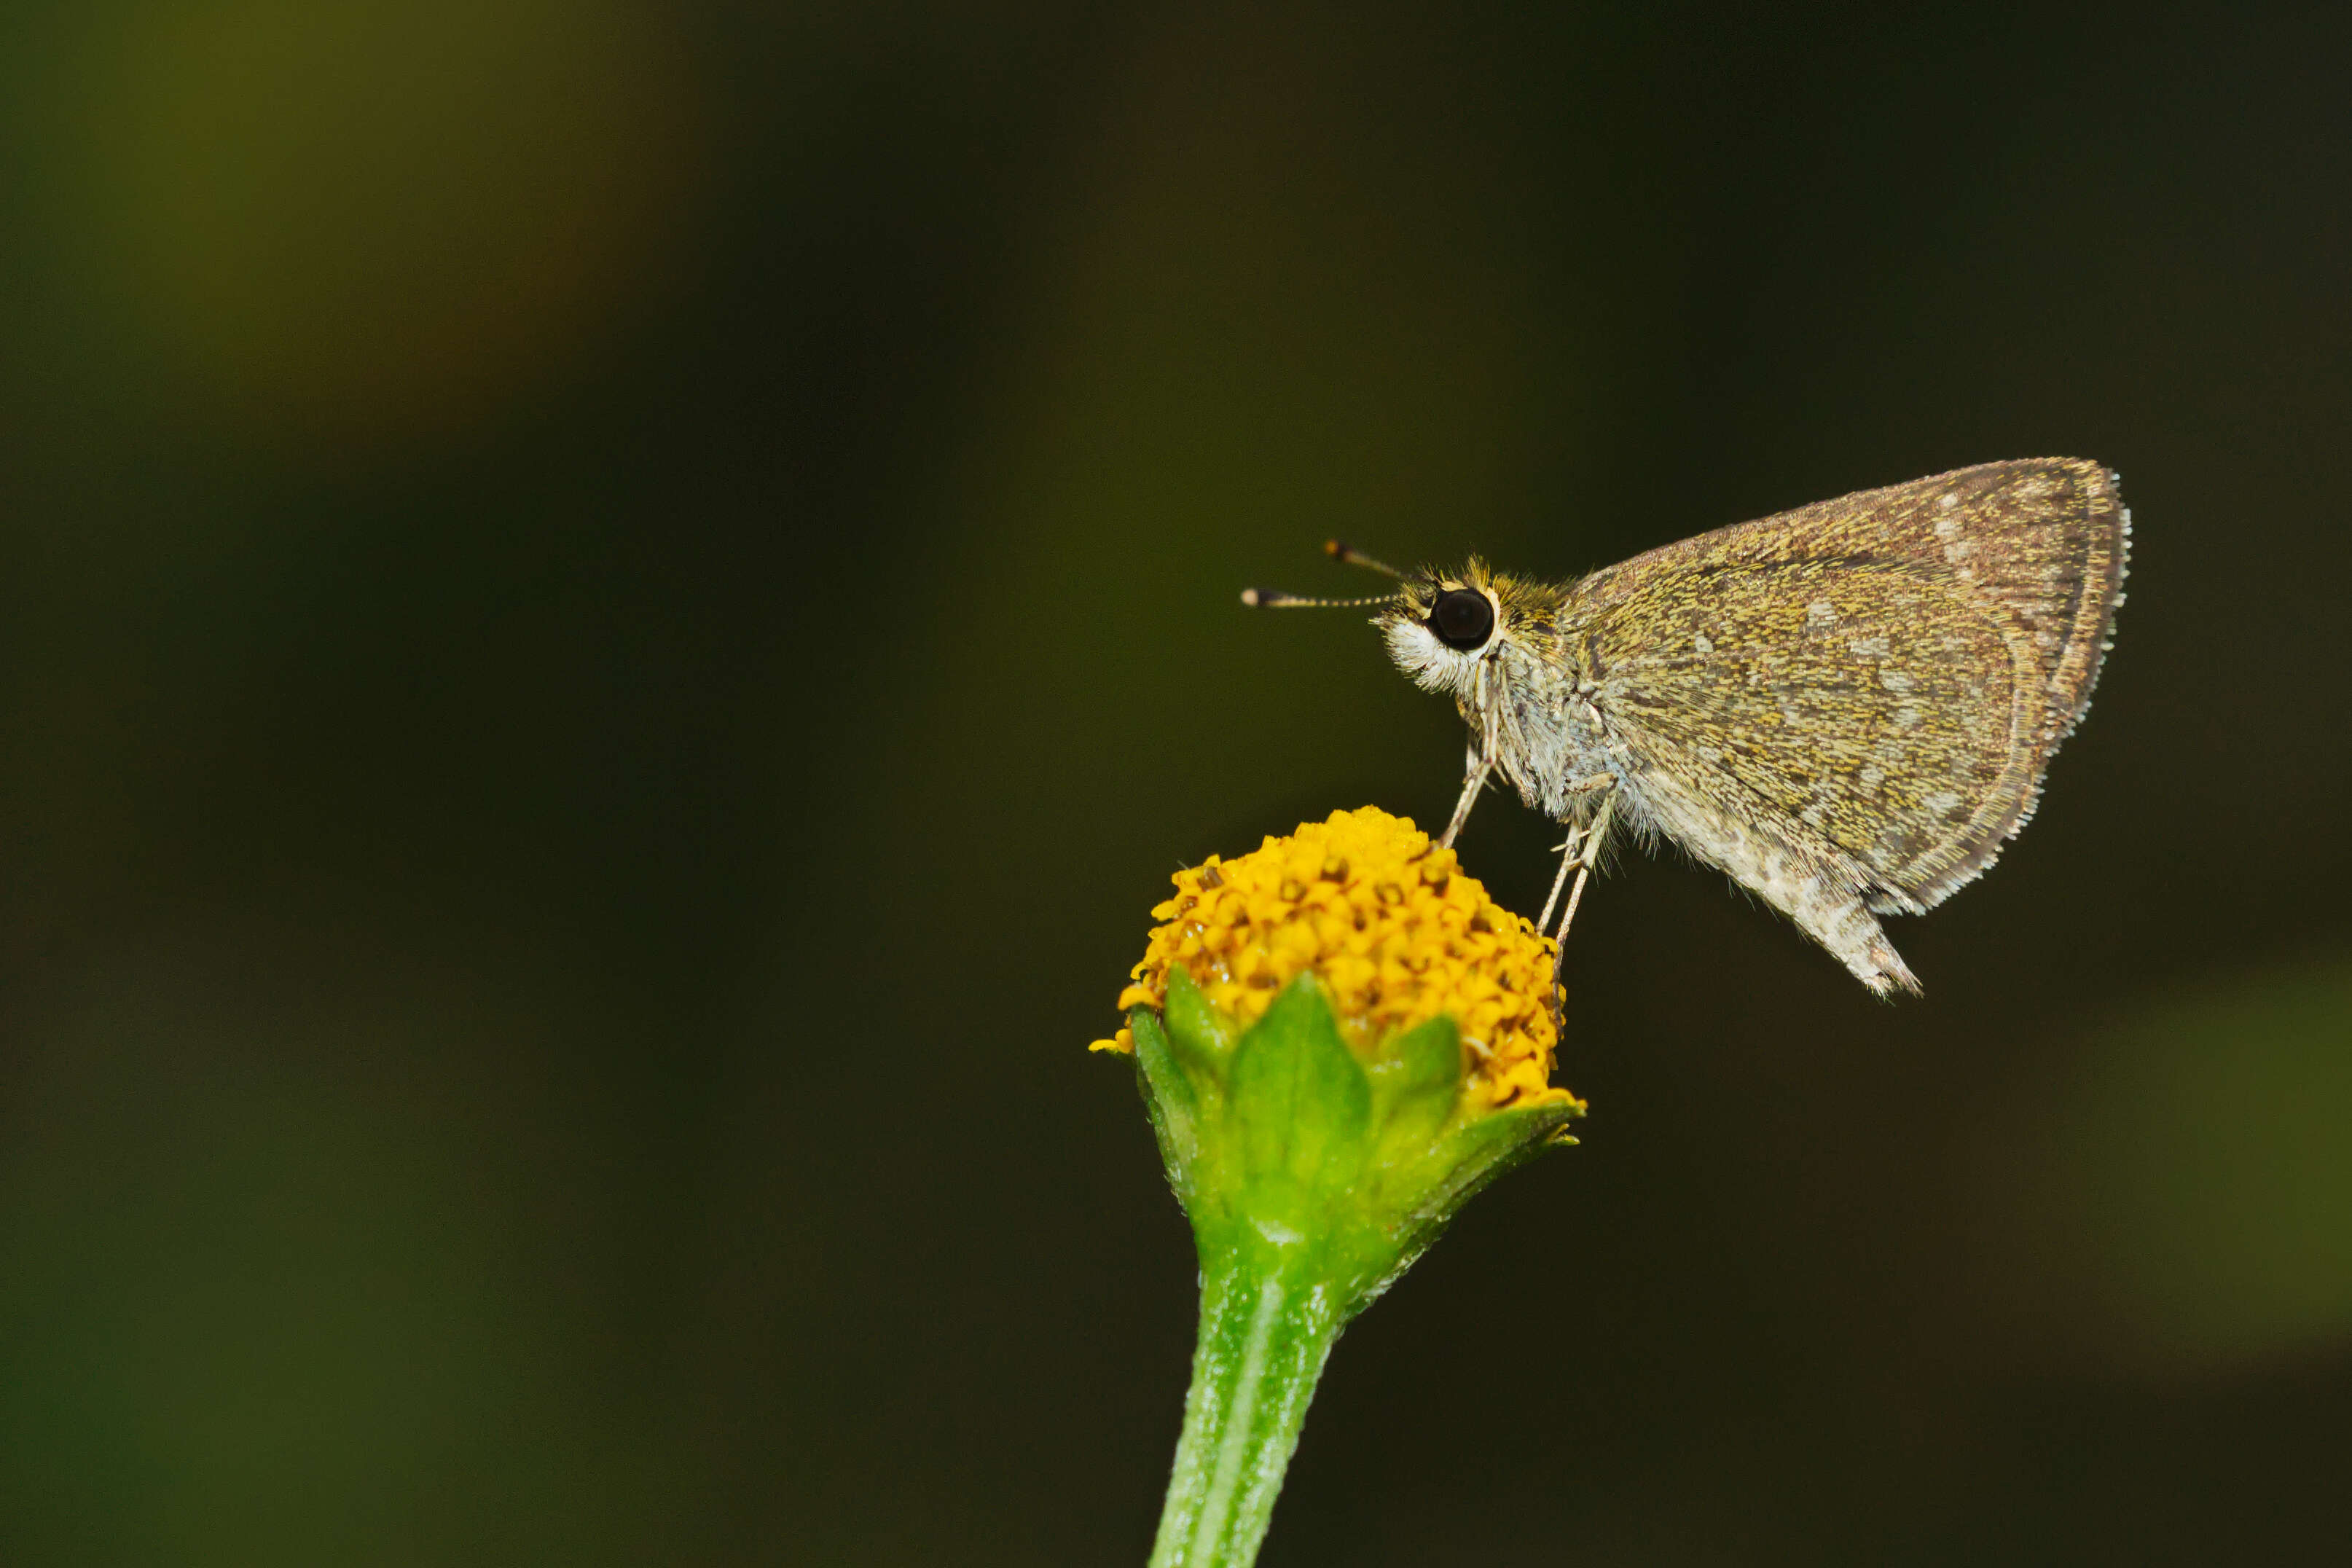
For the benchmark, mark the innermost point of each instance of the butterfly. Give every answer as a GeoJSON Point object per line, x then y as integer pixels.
{"type": "Point", "coordinates": [1848, 708]}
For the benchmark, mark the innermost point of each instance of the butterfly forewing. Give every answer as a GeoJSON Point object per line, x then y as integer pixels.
{"type": "Point", "coordinates": [1877, 681]}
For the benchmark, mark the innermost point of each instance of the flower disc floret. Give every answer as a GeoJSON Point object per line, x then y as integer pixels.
{"type": "Point", "coordinates": [1387, 921]}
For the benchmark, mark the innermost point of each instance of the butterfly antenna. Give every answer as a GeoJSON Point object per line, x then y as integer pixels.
{"type": "Point", "coordinates": [1274, 599]}
{"type": "Point", "coordinates": [1349, 555]}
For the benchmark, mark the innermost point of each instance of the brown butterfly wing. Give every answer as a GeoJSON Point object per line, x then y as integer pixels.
{"type": "Point", "coordinates": [1877, 681]}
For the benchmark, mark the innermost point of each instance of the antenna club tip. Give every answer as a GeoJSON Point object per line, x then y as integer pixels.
{"type": "Point", "coordinates": [1335, 550]}
{"type": "Point", "coordinates": [1255, 598]}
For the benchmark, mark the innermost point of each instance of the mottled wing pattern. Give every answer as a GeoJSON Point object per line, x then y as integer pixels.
{"type": "Point", "coordinates": [1882, 677]}
{"type": "Point", "coordinates": [1866, 712]}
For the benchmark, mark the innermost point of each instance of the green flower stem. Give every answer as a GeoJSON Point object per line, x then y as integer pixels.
{"type": "Point", "coordinates": [1313, 1177]}
{"type": "Point", "coordinates": [1265, 1335]}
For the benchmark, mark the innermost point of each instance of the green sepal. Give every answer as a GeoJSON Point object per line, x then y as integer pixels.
{"type": "Point", "coordinates": [1476, 1150]}
{"type": "Point", "coordinates": [1286, 1144]}
{"type": "Point", "coordinates": [1301, 1102]}
{"type": "Point", "coordinates": [1201, 1031]}
{"type": "Point", "coordinates": [1172, 1098]}
{"type": "Point", "coordinates": [1416, 1084]}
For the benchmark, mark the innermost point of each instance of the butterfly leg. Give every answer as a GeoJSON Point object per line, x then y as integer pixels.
{"type": "Point", "coordinates": [1575, 846]}
{"type": "Point", "coordinates": [1594, 836]}
{"type": "Point", "coordinates": [1479, 768]}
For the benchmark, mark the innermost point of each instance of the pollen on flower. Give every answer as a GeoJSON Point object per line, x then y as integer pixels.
{"type": "Point", "coordinates": [1395, 931]}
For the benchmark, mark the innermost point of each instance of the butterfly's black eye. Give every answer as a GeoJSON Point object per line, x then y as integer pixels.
{"type": "Point", "coordinates": [1461, 619]}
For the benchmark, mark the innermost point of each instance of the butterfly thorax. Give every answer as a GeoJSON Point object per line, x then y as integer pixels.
{"type": "Point", "coordinates": [1527, 694]}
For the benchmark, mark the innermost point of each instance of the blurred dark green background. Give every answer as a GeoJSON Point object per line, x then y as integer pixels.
{"type": "Point", "coordinates": [612, 614]}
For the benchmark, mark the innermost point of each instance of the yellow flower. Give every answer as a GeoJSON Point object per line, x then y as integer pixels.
{"type": "Point", "coordinates": [1397, 934]}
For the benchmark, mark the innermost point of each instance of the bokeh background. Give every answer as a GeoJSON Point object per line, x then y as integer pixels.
{"type": "Point", "coordinates": [611, 613]}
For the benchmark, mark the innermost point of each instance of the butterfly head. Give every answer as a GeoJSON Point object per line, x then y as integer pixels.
{"type": "Point", "coordinates": [1442, 625]}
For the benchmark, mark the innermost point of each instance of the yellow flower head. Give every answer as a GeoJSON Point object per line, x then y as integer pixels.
{"type": "Point", "coordinates": [1396, 933]}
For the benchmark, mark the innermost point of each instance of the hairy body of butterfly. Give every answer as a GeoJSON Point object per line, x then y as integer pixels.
{"type": "Point", "coordinates": [1847, 707]}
